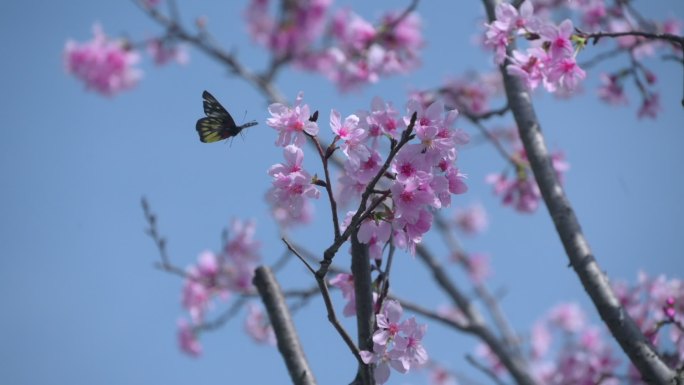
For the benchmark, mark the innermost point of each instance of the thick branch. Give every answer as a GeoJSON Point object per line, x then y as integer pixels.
{"type": "Point", "coordinates": [365, 316]}
{"type": "Point", "coordinates": [595, 282]}
{"type": "Point", "coordinates": [279, 315]}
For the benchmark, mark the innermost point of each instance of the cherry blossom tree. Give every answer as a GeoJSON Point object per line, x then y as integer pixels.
{"type": "Point", "coordinates": [389, 173]}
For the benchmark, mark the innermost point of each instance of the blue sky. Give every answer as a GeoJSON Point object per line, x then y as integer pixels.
{"type": "Point", "coordinates": [84, 304]}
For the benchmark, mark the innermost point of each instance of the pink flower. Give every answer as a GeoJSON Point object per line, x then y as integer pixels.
{"type": "Point", "coordinates": [411, 196]}
{"type": "Point", "coordinates": [471, 220]}
{"type": "Point", "coordinates": [352, 136]}
{"type": "Point", "coordinates": [528, 67]}
{"type": "Point", "coordinates": [565, 74]}
{"type": "Point", "coordinates": [291, 122]}
{"type": "Point", "coordinates": [258, 326]}
{"type": "Point", "coordinates": [345, 282]}
{"type": "Point", "coordinates": [388, 322]}
{"type": "Point", "coordinates": [375, 233]}
{"type": "Point", "coordinates": [559, 38]}
{"type": "Point", "coordinates": [293, 162]}
{"type": "Point", "coordinates": [290, 187]}
{"type": "Point", "coordinates": [187, 339]}
{"type": "Point", "coordinates": [410, 342]}
{"type": "Point", "coordinates": [105, 65]}
{"type": "Point", "coordinates": [385, 116]}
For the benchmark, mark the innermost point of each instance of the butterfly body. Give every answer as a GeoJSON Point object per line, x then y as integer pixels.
{"type": "Point", "coordinates": [218, 124]}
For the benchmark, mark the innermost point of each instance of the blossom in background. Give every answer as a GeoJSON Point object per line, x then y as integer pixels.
{"type": "Point", "coordinates": [105, 65]}
{"type": "Point", "coordinates": [523, 192]}
{"type": "Point", "coordinates": [300, 24]}
{"type": "Point", "coordinates": [471, 220]}
{"type": "Point", "coordinates": [217, 275]}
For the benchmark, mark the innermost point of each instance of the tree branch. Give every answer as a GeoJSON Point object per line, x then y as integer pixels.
{"type": "Point", "coordinates": [279, 315]}
{"type": "Point", "coordinates": [595, 282]}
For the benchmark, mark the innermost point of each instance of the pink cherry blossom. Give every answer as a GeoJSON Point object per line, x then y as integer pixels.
{"type": "Point", "coordinates": [292, 123]}
{"type": "Point", "coordinates": [352, 137]}
{"type": "Point", "coordinates": [564, 74]}
{"type": "Point", "coordinates": [388, 322]}
{"type": "Point", "coordinates": [410, 342]}
{"type": "Point", "coordinates": [375, 233]}
{"type": "Point", "coordinates": [105, 65]}
{"type": "Point", "coordinates": [291, 188]}
{"type": "Point", "coordinates": [559, 38]}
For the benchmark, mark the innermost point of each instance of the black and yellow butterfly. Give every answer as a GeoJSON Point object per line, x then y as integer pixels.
{"type": "Point", "coordinates": [218, 124]}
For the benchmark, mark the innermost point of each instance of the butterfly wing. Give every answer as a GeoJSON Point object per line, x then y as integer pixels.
{"type": "Point", "coordinates": [214, 109]}
{"type": "Point", "coordinates": [212, 129]}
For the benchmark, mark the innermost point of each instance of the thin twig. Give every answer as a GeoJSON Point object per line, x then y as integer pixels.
{"type": "Point", "coordinates": [484, 369]}
{"type": "Point", "coordinates": [332, 316]}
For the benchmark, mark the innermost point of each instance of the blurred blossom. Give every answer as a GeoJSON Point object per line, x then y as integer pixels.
{"type": "Point", "coordinates": [471, 220]}
{"type": "Point", "coordinates": [105, 65]}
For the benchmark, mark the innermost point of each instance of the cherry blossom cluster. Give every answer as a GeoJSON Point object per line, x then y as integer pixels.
{"type": "Point", "coordinates": [351, 53]}
{"type": "Point", "coordinates": [109, 66]}
{"type": "Point", "coordinates": [218, 275]}
{"type": "Point", "coordinates": [550, 61]}
{"type": "Point", "coordinates": [421, 177]}
{"type": "Point", "coordinates": [396, 345]}
{"type": "Point", "coordinates": [292, 184]}
{"type": "Point", "coordinates": [104, 64]}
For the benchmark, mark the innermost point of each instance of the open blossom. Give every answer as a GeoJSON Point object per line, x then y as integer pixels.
{"type": "Point", "coordinates": [105, 65]}
{"type": "Point", "coordinates": [352, 137]}
{"type": "Point", "coordinates": [291, 188]}
{"type": "Point", "coordinates": [388, 322]}
{"type": "Point", "coordinates": [291, 122]}
{"type": "Point", "coordinates": [345, 282]}
{"type": "Point", "coordinates": [396, 345]}
{"type": "Point", "coordinates": [375, 233]}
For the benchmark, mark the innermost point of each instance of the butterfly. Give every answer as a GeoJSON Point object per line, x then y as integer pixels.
{"type": "Point", "coordinates": [218, 124]}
